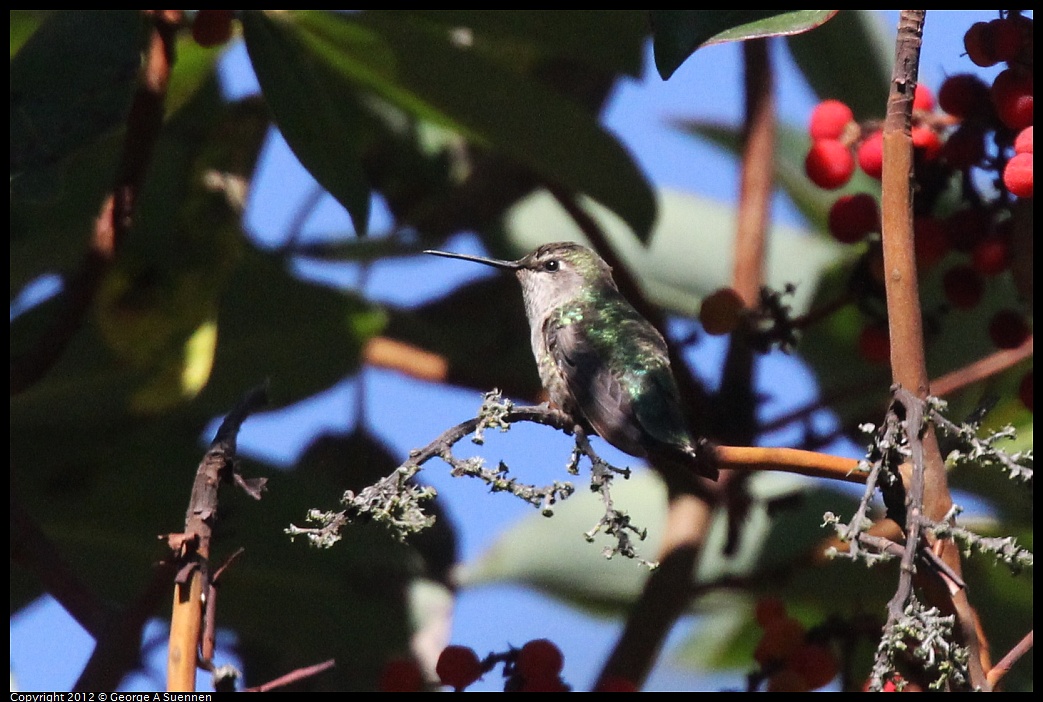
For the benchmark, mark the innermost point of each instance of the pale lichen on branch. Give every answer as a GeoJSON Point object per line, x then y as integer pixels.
{"type": "Point", "coordinates": [895, 454]}
{"type": "Point", "coordinates": [397, 502]}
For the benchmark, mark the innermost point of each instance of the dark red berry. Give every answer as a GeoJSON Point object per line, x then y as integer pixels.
{"type": "Point", "coordinates": [978, 43]}
{"type": "Point", "coordinates": [930, 241]}
{"type": "Point", "coordinates": [1025, 390]}
{"type": "Point", "coordinates": [874, 344]}
{"type": "Point", "coordinates": [964, 95]}
{"type": "Point", "coordinates": [991, 255]}
{"type": "Point", "coordinates": [614, 683]}
{"type": "Point", "coordinates": [721, 312]}
{"type": "Point", "coordinates": [967, 227]}
{"type": "Point", "coordinates": [853, 217]}
{"type": "Point", "coordinates": [401, 675]}
{"type": "Point", "coordinates": [1008, 329]}
{"type": "Point", "coordinates": [540, 658]}
{"type": "Point", "coordinates": [815, 663]}
{"type": "Point", "coordinates": [1012, 98]}
{"type": "Point", "coordinates": [965, 147]}
{"type": "Point", "coordinates": [458, 666]}
{"type": "Point", "coordinates": [963, 287]}
{"type": "Point", "coordinates": [1006, 39]}
{"type": "Point", "coordinates": [212, 27]}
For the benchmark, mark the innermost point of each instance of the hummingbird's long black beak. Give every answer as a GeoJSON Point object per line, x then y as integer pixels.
{"type": "Point", "coordinates": [494, 262]}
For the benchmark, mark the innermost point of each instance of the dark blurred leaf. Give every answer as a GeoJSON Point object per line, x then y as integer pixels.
{"type": "Point", "coordinates": [54, 113]}
{"type": "Point", "coordinates": [485, 320]}
{"type": "Point", "coordinates": [609, 40]}
{"type": "Point", "coordinates": [424, 73]}
{"type": "Point", "coordinates": [318, 118]}
{"type": "Point", "coordinates": [678, 33]}
{"type": "Point", "coordinates": [849, 59]}
{"type": "Point", "coordinates": [302, 336]}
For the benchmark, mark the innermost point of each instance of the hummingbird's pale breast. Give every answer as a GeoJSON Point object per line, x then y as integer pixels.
{"type": "Point", "coordinates": [598, 358]}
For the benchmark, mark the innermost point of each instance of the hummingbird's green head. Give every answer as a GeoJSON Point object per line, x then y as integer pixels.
{"type": "Point", "coordinates": [552, 275]}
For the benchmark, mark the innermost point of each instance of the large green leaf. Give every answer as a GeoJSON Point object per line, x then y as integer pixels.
{"type": "Point", "coordinates": [782, 524]}
{"type": "Point", "coordinates": [849, 59]}
{"type": "Point", "coordinates": [612, 41]}
{"type": "Point", "coordinates": [56, 112]}
{"type": "Point", "coordinates": [690, 253]}
{"type": "Point", "coordinates": [423, 72]}
{"type": "Point", "coordinates": [319, 119]}
{"type": "Point", "coordinates": [51, 234]}
{"type": "Point", "coordinates": [678, 33]}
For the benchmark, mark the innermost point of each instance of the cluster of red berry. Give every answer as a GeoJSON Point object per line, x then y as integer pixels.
{"type": "Point", "coordinates": [535, 667]}
{"type": "Point", "coordinates": [790, 661]}
{"type": "Point", "coordinates": [212, 27]}
{"type": "Point", "coordinates": [951, 146]}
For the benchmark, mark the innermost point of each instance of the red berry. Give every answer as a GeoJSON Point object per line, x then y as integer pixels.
{"type": "Point", "coordinates": [769, 609]}
{"type": "Point", "coordinates": [1012, 97]}
{"type": "Point", "coordinates": [871, 155]}
{"type": "Point", "coordinates": [923, 98]}
{"type": "Point", "coordinates": [212, 27]}
{"type": "Point", "coordinates": [927, 143]}
{"type": "Point", "coordinates": [978, 43]}
{"type": "Point", "coordinates": [829, 119]}
{"type": "Point", "coordinates": [401, 675]}
{"type": "Point", "coordinates": [614, 683]}
{"type": "Point", "coordinates": [966, 227]}
{"type": "Point", "coordinates": [815, 663]}
{"type": "Point", "coordinates": [548, 683]}
{"type": "Point", "coordinates": [721, 312]}
{"type": "Point", "coordinates": [965, 147]}
{"type": "Point", "coordinates": [458, 666]}
{"type": "Point", "coordinates": [991, 255]}
{"type": "Point", "coordinates": [780, 639]}
{"type": "Point", "coordinates": [1006, 39]}
{"type": "Point", "coordinates": [540, 658]}
{"type": "Point", "coordinates": [963, 287]}
{"type": "Point", "coordinates": [964, 95]}
{"type": "Point", "coordinates": [788, 680]}
{"type": "Point", "coordinates": [1025, 390]}
{"type": "Point", "coordinates": [930, 241]}
{"type": "Point", "coordinates": [1008, 329]}
{"type": "Point", "coordinates": [874, 344]}
{"type": "Point", "coordinates": [1023, 142]}
{"type": "Point", "coordinates": [853, 217]}
{"type": "Point", "coordinates": [829, 164]}
{"type": "Point", "coordinates": [1017, 175]}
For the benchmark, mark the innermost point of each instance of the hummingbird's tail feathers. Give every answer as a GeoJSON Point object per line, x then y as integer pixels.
{"type": "Point", "coordinates": [685, 463]}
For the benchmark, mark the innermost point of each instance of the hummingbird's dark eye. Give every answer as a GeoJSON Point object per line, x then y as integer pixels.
{"type": "Point", "coordinates": [550, 266]}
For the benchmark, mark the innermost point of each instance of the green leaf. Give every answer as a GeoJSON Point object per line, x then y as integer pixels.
{"type": "Point", "coordinates": [71, 83]}
{"type": "Point", "coordinates": [678, 33]}
{"type": "Point", "coordinates": [778, 529]}
{"type": "Point", "coordinates": [425, 74]}
{"type": "Point", "coordinates": [610, 40]}
{"type": "Point", "coordinates": [319, 119]}
{"type": "Point", "coordinates": [690, 253]}
{"type": "Point", "coordinates": [849, 59]}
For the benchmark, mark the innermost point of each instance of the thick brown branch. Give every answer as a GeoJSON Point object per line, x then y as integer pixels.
{"type": "Point", "coordinates": [116, 214]}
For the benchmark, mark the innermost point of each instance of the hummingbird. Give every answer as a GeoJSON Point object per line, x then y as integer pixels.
{"type": "Point", "coordinates": [600, 361]}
